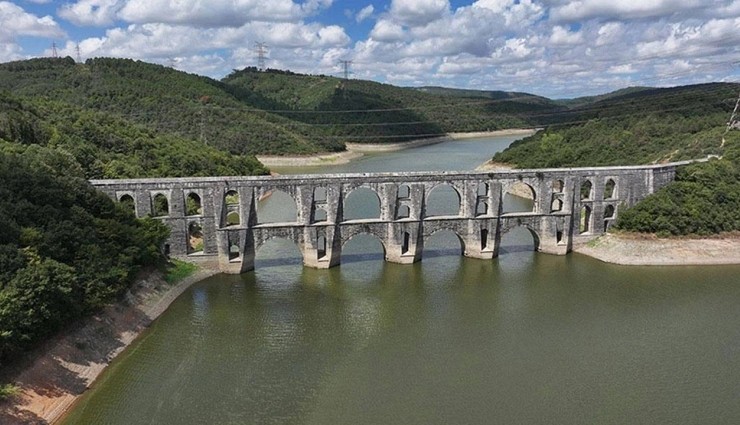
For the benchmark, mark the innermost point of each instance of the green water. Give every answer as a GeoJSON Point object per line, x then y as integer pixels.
{"type": "Point", "coordinates": [526, 338]}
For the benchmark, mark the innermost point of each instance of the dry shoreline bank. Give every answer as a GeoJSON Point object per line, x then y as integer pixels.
{"type": "Point", "coordinates": [357, 150]}
{"type": "Point", "coordinates": [62, 369]}
{"type": "Point", "coordinates": [638, 250]}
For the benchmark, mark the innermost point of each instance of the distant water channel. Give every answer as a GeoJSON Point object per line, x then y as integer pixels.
{"type": "Point", "coordinates": [524, 339]}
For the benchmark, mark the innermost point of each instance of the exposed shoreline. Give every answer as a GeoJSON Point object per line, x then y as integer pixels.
{"type": "Point", "coordinates": [64, 367]}
{"type": "Point", "coordinates": [357, 150]}
{"type": "Point", "coordinates": [639, 250]}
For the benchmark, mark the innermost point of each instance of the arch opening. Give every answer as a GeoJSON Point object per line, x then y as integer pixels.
{"type": "Point", "coordinates": [585, 220]}
{"type": "Point", "coordinates": [519, 239]}
{"type": "Point", "coordinates": [403, 212]}
{"type": "Point", "coordinates": [277, 207]}
{"type": "Point", "coordinates": [321, 247]}
{"type": "Point", "coordinates": [231, 200]}
{"type": "Point", "coordinates": [609, 211]}
{"type": "Point", "coordinates": [277, 252]}
{"type": "Point", "coordinates": [234, 247]}
{"type": "Point", "coordinates": [195, 238]}
{"type": "Point", "coordinates": [442, 243]}
{"type": "Point", "coordinates": [233, 219]}
{"type": "Point", "coordinates": [127, 201]}
{"type": "Point", "coordinates": [406, 243]}
{"type": "Point", "coordinates": [482, 189]}
{"type": "Point", "coordinates": [193, 205]}
{"type": "Point", "coordinates": [319, 194]}
{"type": "Point", "coordinates": [160, 206]}
{"type": "Point", "coordinates": [443, 200]}
{"type": "Point", "coordinates": [483, 239]}
{"type": "Point", "coordinates": [558, 186]}
{"type": "Point", "coordinates": [608, 217]}
{"type": "Point", "coordinates": [404, 191]}
{"type": "Point", "coordinates": [556, 205]}
{"type": "Point", "coordinates": [319, 215]}
{"type": "Point", "coordinates": [481, 208]}
{"type": "Point", "coordinates": [609, 189]}
{"type": "Point", "coordinates": [586, 190]}
{"type": "Point", "coordinates": [520, 198]}
{"type": "Point", "coordinates": [362, 247]}
{"type": "Point", "coordinates": [362, 204]}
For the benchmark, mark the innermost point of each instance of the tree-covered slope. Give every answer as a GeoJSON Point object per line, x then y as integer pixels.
{"type": "Point", "coordinates": [107, 146]}
{"type": "Point", "coordinates": [358, 110]}
{"type": "Point", "coordinates": [66, 249]}
{"type": "Point", "coordinates": [647, 126]}
{"type": "Point", "coordinates": [164, 100]}
{"type": "Point", "coordinates": [251, 112]}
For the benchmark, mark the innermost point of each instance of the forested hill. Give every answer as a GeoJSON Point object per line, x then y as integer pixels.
{"type": "Point", "coordinates": [636, 127]}
{"type": "Point", "coordinates": [251, 112]}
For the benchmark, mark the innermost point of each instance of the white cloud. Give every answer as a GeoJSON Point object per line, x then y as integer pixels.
{"type": "Point", "coordinates": [387, 31]}
{"type": "Point", "coordinates": [14, 22]}
{"type": "Point", "coordinates": [562, 37]}
{"type": "Point", "coordinates": [418, 12]}
{"type": "Point", "coordinates": [217, 13]}
{"type": "Point", "coordinates": [623, 9]}
{"type": "Point", "coordinates": [365, 13]}
{"type": "Point", "coordinates": [90, 12]}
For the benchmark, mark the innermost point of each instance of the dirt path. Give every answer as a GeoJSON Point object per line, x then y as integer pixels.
{"type": "Point", "coordinates": [59, 371]}
{"type": "Point", "coordinates": [642, 250]}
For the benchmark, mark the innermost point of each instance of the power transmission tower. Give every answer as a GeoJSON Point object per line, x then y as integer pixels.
{"type": "Point", "coordinates": [79, 56]}
{"type": "Point", "coordinates": [261, 50]}
{"type": "Point", "coordinates": [345, 66]}
{"type": "Point", "coordinates": [54, 52]}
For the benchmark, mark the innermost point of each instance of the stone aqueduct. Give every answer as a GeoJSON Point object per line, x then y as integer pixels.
{"type": "Point", "coordinates": [570, 206]}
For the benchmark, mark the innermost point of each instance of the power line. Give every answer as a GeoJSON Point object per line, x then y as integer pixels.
{"type": "Point", "coordinates": [54, 52]}
{"type": "Point", "coordinates": [77, 51]}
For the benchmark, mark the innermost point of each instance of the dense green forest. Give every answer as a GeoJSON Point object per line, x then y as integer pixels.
{"type": "Point", "coordinates": [66, 249]}
{"type": "Point", "coordinates": [251, 112]}
{"type": "Point", "coordinates": [704, 200]}
{"type": "Point", "coordinates": [645, 126]}
{"type": "Point", "coordinates": [107, 146]}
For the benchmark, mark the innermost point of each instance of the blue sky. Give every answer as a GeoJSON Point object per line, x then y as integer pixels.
{"type": "Point", "coordinates": [555, 48]}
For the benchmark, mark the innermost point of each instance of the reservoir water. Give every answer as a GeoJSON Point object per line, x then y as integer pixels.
{"type": "Point", "coordinates": [525, 338]}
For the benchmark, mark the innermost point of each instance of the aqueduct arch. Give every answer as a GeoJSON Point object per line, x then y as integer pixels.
{"type": "Point", "coordinates": [320, 230]}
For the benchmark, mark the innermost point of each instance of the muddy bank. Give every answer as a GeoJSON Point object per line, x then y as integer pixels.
{"type": "Point", "coordinates": [393, 147]}
{"type": "Point", "coordinates": [356, 150]}
{"type": "Point", "coordinates": [59, 371]}
{"type": "Point", "coordinates": [308, 160]}
{"type": "Point", "coordinates": [641, 250]}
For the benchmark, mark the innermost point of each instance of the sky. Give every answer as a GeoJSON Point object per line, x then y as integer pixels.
{"type": "Point", "coordinates": [553, 48]}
